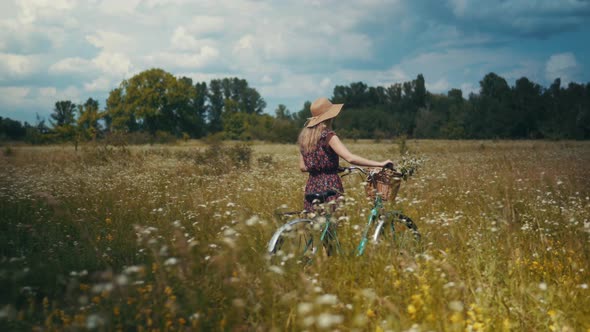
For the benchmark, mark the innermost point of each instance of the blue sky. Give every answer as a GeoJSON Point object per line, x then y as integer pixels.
{"type": "Point", "coordinates": [290, 51]}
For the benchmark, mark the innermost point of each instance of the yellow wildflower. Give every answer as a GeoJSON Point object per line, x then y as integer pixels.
{"type": "Point", "coordinates": [45, 302]}
{"type": "Point", "coordinates": [457, 317]}
{"type": "Point", "coordinates": [168, 290]}
{"type": "Point", "coordinates": [370, 313]}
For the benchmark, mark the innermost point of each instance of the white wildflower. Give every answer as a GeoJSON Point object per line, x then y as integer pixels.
{"type": "Point", "coordinates": [328, 299]}
{"type": "Point", "coordinates": [326, 320]}
{"type": "Point", "coordinates": [276, 269]}
{"type": "Point", "coordinates": [304, 308]}
{"type": "Point", "coordinates": [252, 221]}
{"type": "Point", "coordinates": [171, 261]}
{"type": "Point", "coordinates": [456, 306]}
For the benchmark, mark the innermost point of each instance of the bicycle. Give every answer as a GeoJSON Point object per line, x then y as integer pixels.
{"type": "Point", "coordinates": [301, 237]}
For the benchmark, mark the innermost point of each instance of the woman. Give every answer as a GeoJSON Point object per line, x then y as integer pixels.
{"type": "Point", "coordinates": [321, 149]}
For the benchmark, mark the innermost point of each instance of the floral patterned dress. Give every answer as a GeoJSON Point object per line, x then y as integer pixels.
{"type": "Point", "coordinates": [322, 165]}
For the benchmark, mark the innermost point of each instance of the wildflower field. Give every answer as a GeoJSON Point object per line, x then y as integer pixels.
{"type": "Point", "coordinates": [173, 238]}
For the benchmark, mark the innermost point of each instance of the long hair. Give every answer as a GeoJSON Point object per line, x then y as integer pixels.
{"type": "Point", "coordinates": [309, 137]}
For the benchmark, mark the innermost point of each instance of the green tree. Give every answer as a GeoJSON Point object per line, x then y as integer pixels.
{"type": "Point", "coordinates": [63, 113]}
{"type": "Point", "coordinates": [118, 116]}
{"type": "Point", "coordinates": [494, 107]}
{"type": "Point", "coordinates": [64, 120]}
{"type": "Point", "coordinates": [282, 112]}
{"type": "Point", "coordinates": [12, 129]}
{"type": "Point", "coordinates": [216, 103]}
{"type": "Point", "coordinates": [88, 117]}
{"type": "Point", "coordinates": [156, 101]}
{"type": "Point", "coordinates": [526, 108]}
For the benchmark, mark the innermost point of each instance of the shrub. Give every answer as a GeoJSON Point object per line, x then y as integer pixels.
{"type": "Point", "coordinates": [8, 151]}
{"type": "Point", "coordinates": [218, 159]}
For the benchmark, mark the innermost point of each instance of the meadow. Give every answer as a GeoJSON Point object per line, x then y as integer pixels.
{"type": "Point", "coordinates": [173, 238]}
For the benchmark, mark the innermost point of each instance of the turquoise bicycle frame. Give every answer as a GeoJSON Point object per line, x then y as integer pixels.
{"type": "Point", "coordinates": [372, 217]}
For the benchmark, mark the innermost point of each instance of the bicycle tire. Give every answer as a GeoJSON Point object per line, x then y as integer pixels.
{"type": "Point", "coordinates": [295, 239]}
{"type": "Point", "coordinates": [380, 229]}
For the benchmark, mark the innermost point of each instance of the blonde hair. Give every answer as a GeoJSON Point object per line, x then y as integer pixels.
{"type": "Point", "coordinates": [309, 137]}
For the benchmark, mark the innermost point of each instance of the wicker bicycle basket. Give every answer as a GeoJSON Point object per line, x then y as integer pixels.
{"type": "Point", "coordinates": [385, 182]}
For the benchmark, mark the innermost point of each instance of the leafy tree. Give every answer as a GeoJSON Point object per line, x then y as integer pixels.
{"type": "Point", "coordinates": [12, 129]}
{"type": "Point", "coordinates": [526, 108]}
{"type": "Point", "coordinates": [63, 113]}
{"type": "Point", "coordinates": [282, 113]}
{"type": "Point", "coordinates": [88, 118]}
{"type": "Point", "coordinates": [154, 100]}
{"type": "Point", "coordinates": [64, 120]}
{"type": "Point", "coordinates": [190, 107]}
{"type": "Point", "coordinates": [216, 101]}
{"type": "Point", "coordinates": [118, 117]}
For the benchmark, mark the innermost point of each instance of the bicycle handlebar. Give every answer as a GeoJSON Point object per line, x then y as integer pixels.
{"type": "Point", "coordinates": [350, 169]}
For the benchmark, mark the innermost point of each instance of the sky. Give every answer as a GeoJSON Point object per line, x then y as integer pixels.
{"type": "Point", "coordinates": [290, 51]}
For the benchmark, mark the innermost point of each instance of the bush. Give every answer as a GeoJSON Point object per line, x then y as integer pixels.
{"type": "Point", "coordinates": [163, 137]}
{"type": "Point", "coordinates": [218, 159]}
{"type": "Point", "coordinates": [8, 151]}
{"type": "Point", "coordinates": [265, 161]}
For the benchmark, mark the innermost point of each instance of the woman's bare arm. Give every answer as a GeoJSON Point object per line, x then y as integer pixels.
{"type": "Point", "coordinates": [352, 158]}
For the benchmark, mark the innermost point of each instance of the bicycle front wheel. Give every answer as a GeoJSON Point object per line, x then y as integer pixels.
{"type": "Point", "coordinates": [294, 240]}
{"type": "Point", "coordinates": [387, 228]}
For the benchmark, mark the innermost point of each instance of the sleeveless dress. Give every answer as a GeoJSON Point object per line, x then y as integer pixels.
{"type": "Point", "coordinates": [322, 165]}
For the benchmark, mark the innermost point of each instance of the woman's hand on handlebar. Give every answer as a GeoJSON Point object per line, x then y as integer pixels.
{"type": "Point", "coordinates": [387, 164]}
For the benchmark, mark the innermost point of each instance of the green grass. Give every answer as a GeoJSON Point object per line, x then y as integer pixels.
{"type": "Point", "coordinates": [174, 237]}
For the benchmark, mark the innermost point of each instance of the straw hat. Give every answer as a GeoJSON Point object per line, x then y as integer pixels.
{"type": "Point", "coordinates": [322, 109]}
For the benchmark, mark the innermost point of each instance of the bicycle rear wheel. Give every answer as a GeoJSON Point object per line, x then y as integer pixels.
{"type": "Point", "coordinates": [294, 240]}
{"type": "Point", "coordinates": [386, 228]}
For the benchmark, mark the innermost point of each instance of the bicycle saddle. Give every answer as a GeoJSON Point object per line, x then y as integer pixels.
{"type": "Point", "coordinates": [320, 196]}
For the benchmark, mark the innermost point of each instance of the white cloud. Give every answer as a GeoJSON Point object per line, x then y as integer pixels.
{"type": "Point", "coordinates": [326, 83]}
{"type": "Point", "coordinates": [440, 86]}
{"type": "Point", "coordinates": [155, 3]}
{"type": "Point", "coordinates": [205, 55]}
{"type": "Point", "coordinates": [48, 91]}
{"type": "Point", "coordinates": [31, 10]}
{"type": "Point", "coordinates": [113, 64]}
{"type": "Point", "coordinates": [459, 7]}
{"type": "Point", "coordinates": [16, 65]}
{"type": "Point", "coordinates": [185, 41]}
{"type": "Point", "coordinates": [13, 94]}
{"type": "Point", "coordinates": [393, 75]}
{"type": "Point", "coordinates": [562, 65]}
{"type": "Point", "coordinates": [266, 79]}
{"type": "Point", "coordinates": [202, 25]}
{"type": "Point", "coordinates": [117, 7]}
{"type": "Point", "coordinates": [110, 40]}
{"type": "Point", "coordinates": [468, 88]}
{"type": "Point", "coordinates": [245, 43]}
{"type": "Point", "coordinates": [100, 84]}
{"type": "Point", "coordinates": [70, 66]}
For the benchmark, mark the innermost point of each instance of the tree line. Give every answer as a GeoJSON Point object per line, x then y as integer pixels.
{"type": "Point", "coordinates": [154, 105]}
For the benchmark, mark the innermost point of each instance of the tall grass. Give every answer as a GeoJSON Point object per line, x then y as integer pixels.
{"type": "Point", "coordinates": [174, 238]}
